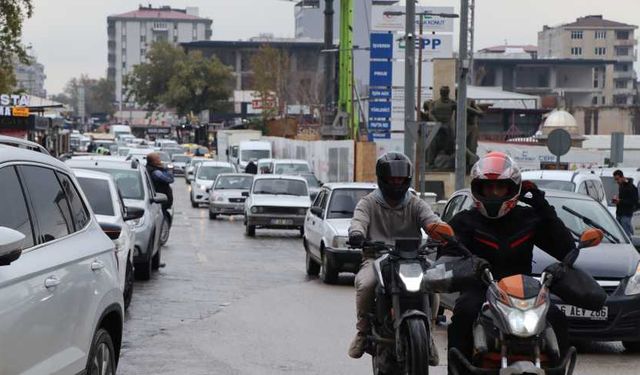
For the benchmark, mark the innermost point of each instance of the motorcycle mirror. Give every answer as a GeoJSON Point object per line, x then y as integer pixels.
{"type": "Point", "coordinates": [440, 231]}
{"type": "Point", "coordinates": [590, 238]}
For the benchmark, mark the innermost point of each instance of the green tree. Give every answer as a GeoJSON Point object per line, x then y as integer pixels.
{"type": "Point", "coordinates": [270, 68]}
{"type": "Point", "coordinates": [199, 84]}
{"type": "Point", "coordinates": [12, 14]}
{"type": "Point", "coordinates": [149, 81]}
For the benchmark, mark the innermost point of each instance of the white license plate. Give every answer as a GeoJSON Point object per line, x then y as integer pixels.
{"type": "Point", "coordinates": [577, 312]}
{"type": "Point", "coordinates": [282, 221]}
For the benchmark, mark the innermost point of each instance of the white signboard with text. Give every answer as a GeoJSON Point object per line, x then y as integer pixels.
{"type": "Point", "coordinates": [382, 22]}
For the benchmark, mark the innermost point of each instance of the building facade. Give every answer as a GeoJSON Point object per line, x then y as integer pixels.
{"type": "Point", "coordinates": [30, 78]}
{"type": "Point", "coordinates": [131, 34]}
{"type": "Point", "coordinates": [595, 38]}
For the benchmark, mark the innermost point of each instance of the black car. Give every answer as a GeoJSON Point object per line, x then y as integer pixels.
{"type": "Point", "coordinates": [615, 264]}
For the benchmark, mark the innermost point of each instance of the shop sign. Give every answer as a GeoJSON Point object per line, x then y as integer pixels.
{"type": "Point", "coordinates": [14, 105]}
{"type": "Point", "coordinates": [20, 111]}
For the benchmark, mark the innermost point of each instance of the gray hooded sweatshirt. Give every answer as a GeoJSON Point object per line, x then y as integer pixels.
{"type": "Point", "coordinates": [377, 221]}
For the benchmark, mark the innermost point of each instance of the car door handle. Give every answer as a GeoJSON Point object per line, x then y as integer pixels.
{"type": "Point", "coordinates": [97, 265]}
{"type": "Point", "coordinates": [51, 282]}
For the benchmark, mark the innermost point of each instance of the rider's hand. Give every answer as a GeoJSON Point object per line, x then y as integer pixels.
{"type": "Point", "coordinates": [356, 239]}
{"type": "Point", "coordinates": [531, 195]}
{"type": "Point", "coordinates": [479, 265]}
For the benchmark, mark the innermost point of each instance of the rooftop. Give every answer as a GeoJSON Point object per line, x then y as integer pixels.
{"type": "Point", "coordinates": [595, 21]}
{"type": "Point", "coordinates": [162, 13]}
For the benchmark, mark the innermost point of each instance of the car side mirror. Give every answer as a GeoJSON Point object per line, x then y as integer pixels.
{"type": "Point", "coordinates": [111, 230]}
{"type": "Point", "coordinates": [160, 198]}
{"type": "Point", "coordinates": [10, 245]}
{"type": "Point", "coordinates": [133, 213]}
{"type": "Point", "coordinates": [245, 194]}
{"type": "Point", "coordinates": [317, 211]}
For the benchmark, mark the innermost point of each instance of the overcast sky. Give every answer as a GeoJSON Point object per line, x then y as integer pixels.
{"type": "Point", "coordinates": [70, 36]}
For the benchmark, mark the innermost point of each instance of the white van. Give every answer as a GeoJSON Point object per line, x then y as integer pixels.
{"type": "Point", "coordinates": [252, 150]}
{"type": "Point", "coordinates": [119, 130]}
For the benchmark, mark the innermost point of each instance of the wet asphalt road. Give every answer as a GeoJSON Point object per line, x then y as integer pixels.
{"type": "Point", "coordinates": [228, 304]}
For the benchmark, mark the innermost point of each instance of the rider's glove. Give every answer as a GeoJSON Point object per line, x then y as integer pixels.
{"type": "Point", "coordinates": [479, 265]}
{"type": "Point", "coordinates": [531, 195]}
{"type": "Point", "coordinates": [356, 239]}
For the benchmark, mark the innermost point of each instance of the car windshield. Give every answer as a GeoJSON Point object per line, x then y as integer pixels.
{"type": "Point", "coordinates": [589, 209]}
{"type": "Point", "coordinates": [555, 185]}
{"type": "Point", "coordinates": [234, 182]}
{"type": "Point", "coordinates": [98, 194]}
{"type": "Point", "coordinates": [181, 159]}
{"type": "Point", "coordinates": [343, 202]}
{"type": "Point", "coordinates": [312, 181]}
{"type": "Point", "coordinates": [255, 154]}
{"type": "Point", "coordinates": [210, 173]}
{"type": "Point", "coordinates": [280, 187]}
{"type": "Point", "coordinates": [287, 168]}
{"type": "Point", "coordinates": [129, 182]}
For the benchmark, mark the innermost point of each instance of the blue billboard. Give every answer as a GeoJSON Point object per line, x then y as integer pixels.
{"type": "Point", "coordinates": [380, 93]}
{"type": "Point", "coordinates": [380, 74]}
{"type": "Point", "coordinates": [381, 46]}
{"type": "Point", "coordinates": [379, 110]}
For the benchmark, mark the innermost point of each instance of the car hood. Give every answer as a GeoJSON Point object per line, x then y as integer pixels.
{"type": "Point", "coordinates": [208, 183]}
{"type": "Point", "coordinates": [230, 193]}
{"type": "Point", "coordinates": [607, 261]}
{"type": "Point", "coordinates": [281, 200]}
{"type": "Point", "coordinates": [340, 226]}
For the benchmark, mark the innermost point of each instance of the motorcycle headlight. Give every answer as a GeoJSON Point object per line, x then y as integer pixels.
{"type": "Point", "coordinates": [523, 323]}
{"type": "Point", "coordinates": [340, 242]}
{"type": "Point", "coordinates": [633, 285]}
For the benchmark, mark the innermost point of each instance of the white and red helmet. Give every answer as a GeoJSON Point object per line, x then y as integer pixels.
{"type": "Point", "coordinates": [495, 167]}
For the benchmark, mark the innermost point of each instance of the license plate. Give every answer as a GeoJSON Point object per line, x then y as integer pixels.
{"type": "Point", "coordinates": [577, 312]}
{"type": "Point", "coordinates": [281, 221]}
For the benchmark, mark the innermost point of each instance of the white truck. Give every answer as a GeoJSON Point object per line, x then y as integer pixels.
{"type": "Point", "coordinates": [252, 150]}
{"type": "Point", "coordinates": [228, 142]}
{"type": "Point", "coordinates": [120, 130]}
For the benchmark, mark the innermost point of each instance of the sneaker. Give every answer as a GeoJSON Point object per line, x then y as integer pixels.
{"type": "Point", "coordinates": [356, 349]}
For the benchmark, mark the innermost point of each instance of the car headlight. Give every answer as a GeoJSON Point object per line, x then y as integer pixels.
{"type": "Point", "coordinates": [524, 323]}
{"type": "Point", "coordinates": [633, 285]}
{"type": "Point", "coordinates": [202, 187]}
{"type": "Point", "coordinates": [340, 242]}
{"type": "Point", "coordinates": [255, 210]}
{"type": "Point", "coordinates": [170, 166]}
{"type": "Point", "coordinates": [219, 198]}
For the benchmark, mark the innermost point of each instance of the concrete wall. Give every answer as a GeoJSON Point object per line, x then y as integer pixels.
{"type": "Point", "coordinates": [606, 120]}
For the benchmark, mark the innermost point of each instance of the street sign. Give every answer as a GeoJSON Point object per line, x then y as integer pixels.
{"type": "Point", "coordinates": [559, 142]}
{"type": "Point", "coordinates": [378, 135]}
{"type": "Point", "coordinates": [380, 109]}
{"type": "Point", "coordinates": [378, 125]}
{"type": "Point", "coordinates": [381, 46]}
{"type": "Point", "coordinates": [380, 74]}
{"type": "Point", "coordinates": [20, 111]}
{"type": "Point", "coordinates": [380, 93]}
{"type": "Point", "coordinates": [383, 22]}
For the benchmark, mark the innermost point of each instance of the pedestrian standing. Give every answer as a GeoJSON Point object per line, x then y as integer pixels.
{"type": "Point", "coordinates": [251, 167]}
{"type": "Point", "coordinates": [162, 179]}
{"type": "Point", "coordinates": [626, 201]}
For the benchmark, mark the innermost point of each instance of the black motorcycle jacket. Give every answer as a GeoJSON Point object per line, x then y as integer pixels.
{"type": "Point", "coordinates": [507, 243]}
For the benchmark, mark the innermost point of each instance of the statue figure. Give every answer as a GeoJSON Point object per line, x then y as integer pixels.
{"type": "Point", "coordinates": [474, 112]}
{"type": "Point", "coordinates": [440, 151]}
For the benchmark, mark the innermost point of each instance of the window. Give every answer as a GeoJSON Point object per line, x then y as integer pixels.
{"type": "Point", "coordinates": [594, 100]}
{"type": "Point", "coordinates": [98, 194]}
{"type": "Point", "coordinates": [622, 35]}
{"type": "Point", "coordinates": [344, 201]}
{"type": "Point", "coordinates": [576, 35]}
{"type": "Point", "coordinates": [291, 168]}
{"type": "Point", "coordinates": [78, 210]}
{"type": "Point", "coordinates": [601, 34]}
{"type": "Point", "coordinates": [622, 51]}
{"type": "Point", "coordinates": [13, 201]}
{"type": "Point", "coordinates": [620, 99]}
{"type": "Point", "coordinates": [582, 189]}
{"type": "Point", "coordinates": [143, 38]}
{"type": "Point", "coordinates": [600, 51]}
{"type": "Point", "coordinates": [604, 100]}
{"type": "Point", "coordinates": [576, 51]}
{"type": "Point", "coordinates": [233, 183]}
{"type": "Point", "coordinates": [318, 201]}
{"type": "Point", "coordinates": [280, 187]}
{"type": "Point", "coordinates": [621, 67]}
{"type": "Point", "coordinates": [210, 173]}
{"type": "Point", "coordinates": [53, 215]}
{"type": "Point", "coordinates": [621, 84]}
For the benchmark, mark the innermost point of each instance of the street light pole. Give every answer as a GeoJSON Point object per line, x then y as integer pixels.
{"type": "Point", "coordinates": [461, 111]}
{"type": "Point", "coordinates": [328, 62]}
{"type": "Point", "coordinates": [420, 149]}
{"type": "Point", "coordinates": [409, 76]}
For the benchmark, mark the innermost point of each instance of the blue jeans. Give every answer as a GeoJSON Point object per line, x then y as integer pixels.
{"type": "Point", "coordinates": [625, 221]}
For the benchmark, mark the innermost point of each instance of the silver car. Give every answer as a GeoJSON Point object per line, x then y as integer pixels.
{"type": "Point", "coordinates": [62, 307]}
{"type": "Point", "coordinates": [137, 190]}
{"type": "Point", "coordinates": [205, 175]}
{"type": "Point", "coordinates": [226, 196]}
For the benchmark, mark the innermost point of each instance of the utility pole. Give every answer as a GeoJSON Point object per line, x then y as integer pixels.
{"type": "Point", "coordinates": [409, 77]}
{"type": "Point", "coordinates": [420, 155]}
{"type": "Point", "coordinates": [328, 62]}
{"type": "Point", "coordinates": [461, 111]}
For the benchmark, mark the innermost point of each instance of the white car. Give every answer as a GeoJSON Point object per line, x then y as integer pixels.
{"type": "Point", "coordinates": [326, 230]}
{"type": "Point", "coordinates": [62, 306]}
{"type": "Point", "coordinates": [205, 174]}
{"type": "Point", "coordinates": [265, 166]}
{"type": "Point", "coordinates": [290, 166]}
{"type": "Point", "coordinates": [584, 182]}
{"type": "Point", "coordinates": [276, 202]}
{"type": "Point", "coordinates": [225, 197]}
{"type": "Point", "coordinates": [180, 162]}
{"type": "Point", "coordinates": [108, 206]}
{"type": "Point", "coordinates": [190, 169]}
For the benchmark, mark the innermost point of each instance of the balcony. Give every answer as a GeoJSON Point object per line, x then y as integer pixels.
{"type": "Point", "coordinates": [631, 42]}
{"type": "Point", "coordinates": [624, 91]}
{"type": "Point", "coordinates": [630, 74]}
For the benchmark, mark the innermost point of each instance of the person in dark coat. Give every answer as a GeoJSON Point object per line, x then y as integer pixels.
{"type": "Point", "coordinates": [251, 168]}
{"type": "Point", "coordinates": [626, 201]}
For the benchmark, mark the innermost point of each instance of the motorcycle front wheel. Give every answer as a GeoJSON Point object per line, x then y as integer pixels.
{"type": "Point", "coordinates": [416, 347]}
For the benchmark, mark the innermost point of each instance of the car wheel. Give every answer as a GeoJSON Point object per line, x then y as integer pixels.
{"type": "Point", "coordinates": [128, 285]}
{"type": "Point", "coordinates": [631, 346]}
{"type": "Point", "coordinates": [328, 272]}
{"type": "Point", "coordinates": [212, 216]}
{"type": "Point", "coordinates": [155, 262]}
{"type": "Point", "coordinates": [143, 270]}
{"type": "Point", "coordinates": [250, 230]}
{"type": "Point", "coordinates": [164, 232]}
{"type": "Point", "coordinates": [312, 267]}
{"type": "Point", "coordinates": [102, 357]}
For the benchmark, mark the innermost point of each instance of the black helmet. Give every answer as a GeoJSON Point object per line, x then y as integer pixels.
{"type": "Point", "coordinates": [398, 166]}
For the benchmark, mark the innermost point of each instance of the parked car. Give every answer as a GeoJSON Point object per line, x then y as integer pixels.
{"type": "Point", "coordinates": [137, 190]}
{"type": "Point", "coordinates": [225, 197]}
{"type": "Point", "coordinates": [205, 174]}
{"type": "Point", "coordinates": [326, 230]}
{"type": "Point", "coordinates": [180, 162]}
{"type": "Point", "coordinates": [276, 202]}
{"type": "Point", "coordinates": [110, 211]}
{"type": "Point", "coordinates": [611, 188]}
{"type": "Point", "coordinates": [290, 166]}
{"type": "Point", "coordinates": [584, 182]}
{"type": "Point", "coordinates": [21, 143]}
{"type": "Point", "coordinates": [62, 307]}
{"type": "Point", "coordinates": [191, 168]}
{"type": "Point", "coordinates": [615, 264]}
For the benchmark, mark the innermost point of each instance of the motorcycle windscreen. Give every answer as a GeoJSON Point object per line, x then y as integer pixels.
{"type": "Point", "coordinates": [451, 274]}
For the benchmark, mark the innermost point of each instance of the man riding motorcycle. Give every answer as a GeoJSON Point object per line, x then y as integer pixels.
{"type": "Point", "coordinates": [503, 234]}
{"type": "Point", "coordinates": [387, 213]}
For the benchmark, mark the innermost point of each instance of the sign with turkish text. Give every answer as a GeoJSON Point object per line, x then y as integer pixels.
{"type": "Point", "coordinates": [378, 135]}
{"type": "Point", "coordinates": [20, 111]}
{"type": "Point", "coordinates": [380, 93]}
{"type": "Point", "coordinates": [381, 46]}
{"type": "Point", "coordinates": [380, 73]}
{"type": "Point", "coordinates": [378, 125]}
{"type": "Point", "coordinates": [380, 109]}
{"type": "Point", "coordinates": [385, 22]}
{"type": "Point", "coordinates": [14, 105]}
